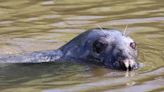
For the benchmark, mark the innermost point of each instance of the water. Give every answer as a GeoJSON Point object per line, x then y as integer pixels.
{"type": "Point", "coordinates": [34, 25]}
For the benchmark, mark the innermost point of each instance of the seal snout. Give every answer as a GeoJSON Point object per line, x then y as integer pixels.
{"type": "Point", "coordinates": [129, 64]}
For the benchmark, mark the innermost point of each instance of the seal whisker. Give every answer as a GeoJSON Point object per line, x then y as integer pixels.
{"type": "Point", "coordinates": [101, 29]}
{"type": "Point", "coordinates": [124, 33]}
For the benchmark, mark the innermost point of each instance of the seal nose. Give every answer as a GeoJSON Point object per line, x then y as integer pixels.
{"type": "Point", "coordinates": [129, 64]}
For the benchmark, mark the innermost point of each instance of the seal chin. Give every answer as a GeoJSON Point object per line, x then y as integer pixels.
{"type": "Point", "coordinates": [129, 64]}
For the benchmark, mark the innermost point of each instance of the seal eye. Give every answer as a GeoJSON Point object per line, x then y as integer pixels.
{"type": "Point", "coordinates": [133, 45]}
{"type": "Point", "coordinates": [100, 45]}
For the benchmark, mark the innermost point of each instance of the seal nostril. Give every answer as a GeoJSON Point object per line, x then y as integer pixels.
{"type": "Point", "coordinates": [132, 67]}
{"type": "Point", "coordinates": [129, 68]}
{"type": "Point", "coordinates": [128, 65]}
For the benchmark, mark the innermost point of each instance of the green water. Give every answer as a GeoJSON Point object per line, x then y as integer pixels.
{"type": "Point", "coordinates": [34, 25]}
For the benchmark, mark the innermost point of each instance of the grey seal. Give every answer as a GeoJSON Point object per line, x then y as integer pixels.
{"type": "Point", "coordinates": [108, 47]}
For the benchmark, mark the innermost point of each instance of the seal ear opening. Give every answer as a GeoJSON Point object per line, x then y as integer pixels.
{"type": "Point", "coordinates": [100, 45]}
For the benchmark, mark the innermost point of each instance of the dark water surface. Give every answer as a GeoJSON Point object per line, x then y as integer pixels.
{"type": "Point", "coordinates": [34, 25]}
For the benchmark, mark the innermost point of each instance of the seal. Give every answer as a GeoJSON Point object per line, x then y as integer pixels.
{"type": "Point", "coordinates": [108, 47]}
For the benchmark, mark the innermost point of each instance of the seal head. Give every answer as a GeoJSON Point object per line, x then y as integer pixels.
{"type": "Point", "coordinates": [103, 46]}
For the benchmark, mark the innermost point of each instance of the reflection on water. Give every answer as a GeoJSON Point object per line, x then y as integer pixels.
{"type": "Point", "coordinates": [32, 25]}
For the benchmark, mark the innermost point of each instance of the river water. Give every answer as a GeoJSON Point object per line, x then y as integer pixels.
{"type": "Point", "coordinates": [34, 25]}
